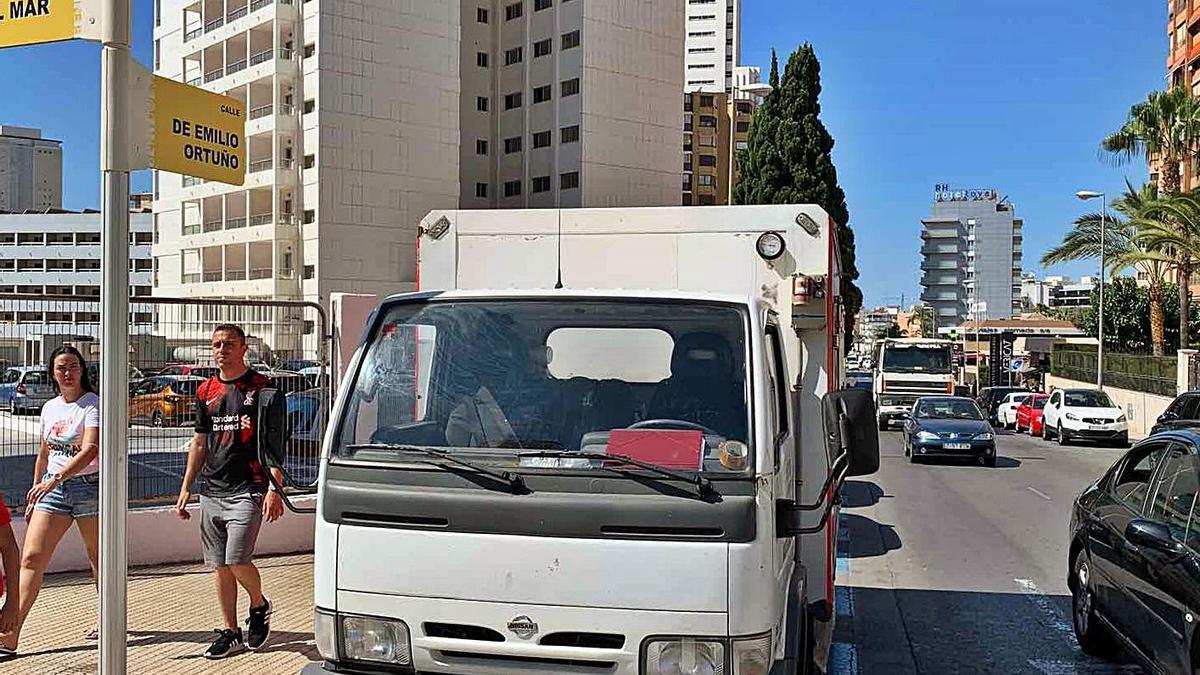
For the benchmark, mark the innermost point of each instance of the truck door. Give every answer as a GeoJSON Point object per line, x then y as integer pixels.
{"type": "Point", "coordinates": [780, 419]}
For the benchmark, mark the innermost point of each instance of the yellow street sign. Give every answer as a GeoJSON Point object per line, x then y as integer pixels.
{"type": "Point", "coordinates": [198, 133]}
{"type": "Point", "coordinates": [28, 22]}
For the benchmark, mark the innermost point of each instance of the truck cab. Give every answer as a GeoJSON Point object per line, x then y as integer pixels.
{"type": "Point", "coordinates": [907, 369]}
{"type": "Point", "coordinates": [601, 441]}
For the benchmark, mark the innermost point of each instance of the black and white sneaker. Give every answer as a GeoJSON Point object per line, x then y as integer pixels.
{"type": "Point", "coordinates": [228, 643]}
{"type": "Point", "coordinates": [258, 625]}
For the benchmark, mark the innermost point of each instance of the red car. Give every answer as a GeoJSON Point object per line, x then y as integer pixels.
{"type": "Point", "coordinates": [1029, 414]}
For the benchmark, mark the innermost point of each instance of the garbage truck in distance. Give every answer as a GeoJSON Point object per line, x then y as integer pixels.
{"type": "Point", "coordinates": [594, 440]}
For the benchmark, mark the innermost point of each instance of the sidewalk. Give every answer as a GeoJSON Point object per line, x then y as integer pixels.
{"type": "Point", "coordinates": [172, 611]}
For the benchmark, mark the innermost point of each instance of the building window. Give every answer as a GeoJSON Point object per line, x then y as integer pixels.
{"type": "Point", "coordinates": [708, 160]}
{"type": "Point", "coordinates": [310, 271]}
{"type": "Point", "coordinates": [310, 216]}
{"type": "Point", "coordinates": [481, 59]}
{"type": "Point", "coordinates": [707, 200]}
{"type": "Point", "coordinates": [570, 87]}
{"type": "Point", "coordinates": [701, 66]}
{"type": "Point", "coordinates": [568, 181]}
{"type": "Point", "coordinates": [687, 198]}
{"type": "Point", "coordinates": [701, 50]}
{"type": "Point", "coordinates": [570, 40]}
{"type": "Point", "coordinates": [539, 5]}
{"type": "Point", "coordinates": [702, 33]}
{"type": "Point", "coordinates": [701, 17]}
{"type": "Point", "coordinates": [310, 50]}
{"type": "Point", "coordinates": [480, 147]}
{"type": "Point", "coordinates": [481, 103]}
{"type": "Point", "coordinates": [514, 55]}
{"type": "Point", "coordinates": [569, 134]}
{"type": "Point", "coordinates": [542, 47]}
{"type": "Point", "coordinates": [687, 142]}
{"type": "Point", "coordinates": [157, 54]}
{"type": "Point", "coordinates": [704, 179]}
{"type": "Point", "coordinates": [687, 122]}
{"type": "Point", "coordinates": [512, 145]}
{"type": "Point", "coordinates": [541, 139]}
{"type": "Point", "coordinates": [310, 105]}
{"type": "Point", "coordinates": [706, 101]}
{"type": "Point", "coordinates": [708, 121]}
{"type": "Point", "coordinates": [310, 161]}
{"type": "Point", "coordinates": [541, 184]}
{"type": "Point", "coordinates": [513, 11]}
{"type": "Point", "coordinates": [481, 190]}
{"type": "Point", "coordinates": [512, 188]}
{"type": "Point", "coordinates": [687, 103]}
{"type": "Point", "coordinates": [541, 94]}
{"type": "Point", "coordinates": [481, 15]}
{"type": "Point", "coordinates": [512, 100]}
{"type": "Point", "coordinates": [743, 127]}
{"type": "Point", "coordinates": [708, 141]}
{"type": "Point", "coordinates": [741, 145]}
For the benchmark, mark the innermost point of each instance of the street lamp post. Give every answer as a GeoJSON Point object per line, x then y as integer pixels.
{"type": "Point", "coordinates": [1086, 195]}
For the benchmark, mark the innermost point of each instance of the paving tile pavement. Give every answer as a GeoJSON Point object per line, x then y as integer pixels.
{"type": "Point", "coordinates": [172, 611]}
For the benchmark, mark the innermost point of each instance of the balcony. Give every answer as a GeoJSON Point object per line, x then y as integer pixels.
{"type": "Point", "coordinates": [193, 34]}
{"type": "Point", "coordinates": [285, 109]}
{"type": "Point", "coordinates": [260, 273]}
{"type": "Point", "coordinates": [214, 24]}
{"type": "Point", "coordinates": [214, 75]}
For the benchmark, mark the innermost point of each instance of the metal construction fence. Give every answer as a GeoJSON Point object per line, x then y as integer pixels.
{"type": "Point", "coordinates": [1141, 372]}
{"type": "Point", "coordinates": [169, 356]}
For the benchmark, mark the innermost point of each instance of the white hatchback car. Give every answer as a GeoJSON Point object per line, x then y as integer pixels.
{"type": "Point", "coordinates": [1006, 413]}
{"type": "Point", "coordinates": [1084, 414]}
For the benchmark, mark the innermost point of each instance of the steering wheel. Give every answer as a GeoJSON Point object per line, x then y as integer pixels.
{"type": "Point", "coordinates": [678, 424]}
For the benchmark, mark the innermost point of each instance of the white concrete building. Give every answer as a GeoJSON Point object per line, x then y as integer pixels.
{"type": "Point", "coordinates": [351, 138]}
{"type": "Point", "coordinates": [569, 103]}
{"type": "Point", "coordinates": [713, 43]}
{"type": "Point", "coordinates": [58, 254]}
{"type": "Point", "coordinates": [30, 170]}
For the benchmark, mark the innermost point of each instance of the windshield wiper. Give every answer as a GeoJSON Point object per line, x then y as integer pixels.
{"type": "Point", "coordinates": [704, 486]}
{"type": "Point", "coordinates": [514, 480]}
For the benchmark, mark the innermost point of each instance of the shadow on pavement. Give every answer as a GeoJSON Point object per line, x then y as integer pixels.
{"type": "Point", "coordinates": [860, 493]}
{"type": "Point", "coordinates": [296, 643]}
{"type": "Point", "coordinates": [911, 631]}
{"type": "Point", "coordinates": [868, 538]}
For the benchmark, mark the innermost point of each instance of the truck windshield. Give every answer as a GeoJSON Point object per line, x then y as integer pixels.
{"type": "Point", "coordinates": [913, 359]}
{"type": "Point", "coordinates": [491, 380]}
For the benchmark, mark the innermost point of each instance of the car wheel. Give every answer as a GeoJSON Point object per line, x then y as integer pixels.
{"type": "Point", "coordinates": [1045, 431]}
{"type": "Point", "coordinates": [1061, 434]}
{"type": "Point", "coordinates": [1093, 636]}
{"type": "Point", "coordinates": [157, 420]}
{"type": "Point", "coordinates": [990, 461]}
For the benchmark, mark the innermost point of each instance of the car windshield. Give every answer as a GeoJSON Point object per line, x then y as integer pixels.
{"type": "Point", "coordinates": [1088, 399]}
{"type": "Point", "coordinates": [949, 409]}
{"type": "Point", "coordinates": [657, 381]}
{"type": "Point", "coordinates": [916, 359]}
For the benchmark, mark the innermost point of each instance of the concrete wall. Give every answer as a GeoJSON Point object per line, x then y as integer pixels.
{"type": "Point", "coordinates": [1141, 409]}
{"type": "Point", "coordinates": [157, 536]}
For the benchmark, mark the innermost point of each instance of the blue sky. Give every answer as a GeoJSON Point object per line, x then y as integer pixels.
{"type": "Point", "coordinates": [1011, 94]}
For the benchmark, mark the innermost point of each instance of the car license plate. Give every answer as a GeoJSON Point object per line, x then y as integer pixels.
{"type": "Point", "coordinates": [1097, 427]}
{"type": "Point", "coordinates": [957, 446]}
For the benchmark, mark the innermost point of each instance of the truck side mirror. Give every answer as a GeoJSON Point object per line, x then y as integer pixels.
{"type": "Point", "coordinates": [849, 416]}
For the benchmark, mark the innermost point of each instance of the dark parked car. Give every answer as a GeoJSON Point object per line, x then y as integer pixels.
{"type": "Point", "coordinates": [1134, 561]}
{"type": "Point", "coordinates": [948, 426]}
{"type": "Point", "coordinates": [1183, 413]}
{"type": "Point", "coordinates": [990, 398]}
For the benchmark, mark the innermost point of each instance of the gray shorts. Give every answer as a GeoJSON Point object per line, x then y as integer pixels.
{"type": "Point", "coordinates": [229, 528]}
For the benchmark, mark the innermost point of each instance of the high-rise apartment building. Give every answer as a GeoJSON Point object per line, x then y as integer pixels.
{"type": "Point", "coordinates": [707, 160]}
{"type": "Point", "coordinates": [30, 170]}
{"type": "Point", "coordinates": [569, 103]}
{"type": "Point", "coordinates": [363, 116]}
{"type": "Point", "coordinates": [971, 257]}
{"type": "Point", "coordinates": [713, 32]}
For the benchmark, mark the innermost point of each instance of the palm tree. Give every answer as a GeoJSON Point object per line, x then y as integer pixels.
{"type": "Point", "coordinates": [1134, 241]}
{"type": "Point", "coordinates": [1165, 126]}
{"type": "Point", "coordinates": [1173, 228]}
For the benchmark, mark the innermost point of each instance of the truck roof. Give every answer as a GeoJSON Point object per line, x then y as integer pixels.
{"type": "Point", "coordinates": [580, 293]}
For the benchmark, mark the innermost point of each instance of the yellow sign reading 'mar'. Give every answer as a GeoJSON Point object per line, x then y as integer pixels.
{"type": "Point", "coordinates": [27, 22]}
{"type": "Point", "coordinates": [198, 133]}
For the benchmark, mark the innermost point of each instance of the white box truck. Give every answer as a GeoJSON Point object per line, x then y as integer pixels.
{"type": "Point", "coordinates": [907, 369]}
{"type": "Point", "coordinates": [594, 441]}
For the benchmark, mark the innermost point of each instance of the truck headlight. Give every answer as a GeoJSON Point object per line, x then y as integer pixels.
{"type": "Point", "coordinates": [325, 632]}
{"type": "Point", "coordinates": [1072, 417]}
{"type": "Point", "coordinates": [366, 638]}
{"type": "Point", "coordinates": [927, 436]}
{"type": "Point", "coordinates": [752, 656]}
{"type": "Point", "coordinates": [684, 656]}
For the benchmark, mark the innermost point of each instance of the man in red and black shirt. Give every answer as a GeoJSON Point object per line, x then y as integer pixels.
{"type": "Point", "coordinates": [235, 494]}
{"type": "Point", "coordinates": [10, 583]}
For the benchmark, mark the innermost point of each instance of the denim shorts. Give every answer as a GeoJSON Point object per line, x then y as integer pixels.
{"type": "Point", "coordinates": [78, 497]}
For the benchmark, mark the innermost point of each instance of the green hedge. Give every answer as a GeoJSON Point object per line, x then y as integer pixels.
{"type": "Point", "coordinates": [1136, 372]}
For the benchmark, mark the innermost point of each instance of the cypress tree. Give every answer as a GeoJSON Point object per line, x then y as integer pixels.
{"type": "Point", "coordinates": [789, 160]}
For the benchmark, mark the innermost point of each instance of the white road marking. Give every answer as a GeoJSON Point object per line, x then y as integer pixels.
{"type": "Point", "coordinates": [1082, 668]}
{"type": "Point", "coordinates": [1039, 493]}
{"type": "Point", "coordinates": [1056, 621]}
{"type": "Point", "coordinates": [844, 602]}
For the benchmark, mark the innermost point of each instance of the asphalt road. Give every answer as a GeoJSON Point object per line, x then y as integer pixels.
{"type": "Point", "coordinates": [957, 568]}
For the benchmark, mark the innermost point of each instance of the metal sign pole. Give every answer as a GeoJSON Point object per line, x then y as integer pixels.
{"type": "Point", "coordinates": [115, 65]}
